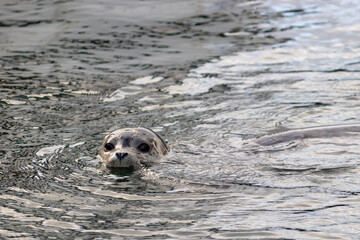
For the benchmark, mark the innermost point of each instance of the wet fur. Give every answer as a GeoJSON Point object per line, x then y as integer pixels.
{"type": "Point", "coordinates": [318, 132]}
{"type": "Point", "coordinates": [135, 158]}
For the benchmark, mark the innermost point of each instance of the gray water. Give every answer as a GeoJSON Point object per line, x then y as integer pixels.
{"type": "Point", "coordinates": [208, 76]}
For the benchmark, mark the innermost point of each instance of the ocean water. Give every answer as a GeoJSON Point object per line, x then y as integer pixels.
{"type": "Point", "coordinates": [209, 76]}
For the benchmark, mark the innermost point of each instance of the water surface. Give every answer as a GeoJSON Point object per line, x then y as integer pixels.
{"type": "Point", "coordinates": [208, 76]}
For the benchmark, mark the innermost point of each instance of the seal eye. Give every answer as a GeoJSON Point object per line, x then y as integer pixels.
{"type": "Point", "coordinates": [144, 147]}
{"type": "Point", "coordinates": [109, 146]}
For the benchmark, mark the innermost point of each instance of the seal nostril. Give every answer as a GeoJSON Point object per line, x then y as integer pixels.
{"type": "Point", "coordinates": [120, 156]}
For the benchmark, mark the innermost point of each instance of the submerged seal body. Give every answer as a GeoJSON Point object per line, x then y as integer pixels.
{"type": "Point", "coordinates": [132, 148]}
{"type": "Point", "coordinates": [316, 132]}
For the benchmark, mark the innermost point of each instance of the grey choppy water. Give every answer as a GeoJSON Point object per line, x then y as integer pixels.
{"type": "Point", "coordinates": [74, 70]}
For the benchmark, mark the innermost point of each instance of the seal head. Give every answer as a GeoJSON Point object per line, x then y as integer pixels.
{"type": "Point", "coordinates": [132, 148]}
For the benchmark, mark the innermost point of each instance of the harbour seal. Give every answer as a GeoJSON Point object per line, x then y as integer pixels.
{"type": "Point", "coordinates": [132, 148]}
{"type": "Point", "coordinates": [315, 132]}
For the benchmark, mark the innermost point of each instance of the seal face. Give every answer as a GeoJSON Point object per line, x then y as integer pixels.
{"type": "Point", "coordinates": [132, 147]}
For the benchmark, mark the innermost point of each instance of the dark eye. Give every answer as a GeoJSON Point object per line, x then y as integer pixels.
{"type": "Point", "coordinates": [109, 146]}
{"type": "Point", "coordinates": [144, 147]}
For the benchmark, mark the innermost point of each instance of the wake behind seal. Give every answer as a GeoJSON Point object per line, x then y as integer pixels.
{"type": "Point", "coordinates": [136, 147]}
{"type": "Point", "coordinates": [132, 148]}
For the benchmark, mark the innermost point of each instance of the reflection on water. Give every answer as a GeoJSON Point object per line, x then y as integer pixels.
{"type": "Point", "coordinates": [73, 71]}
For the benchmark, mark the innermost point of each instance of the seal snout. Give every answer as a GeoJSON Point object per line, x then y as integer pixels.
{"type": "Point", "coordinates": [121, 155]}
